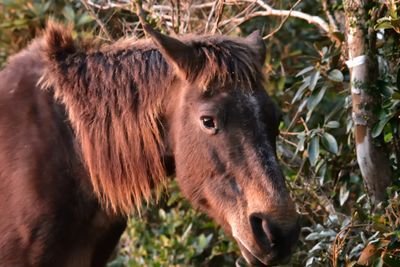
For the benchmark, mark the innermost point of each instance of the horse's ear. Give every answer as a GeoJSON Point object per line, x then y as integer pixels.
{"type": "Point", "coordinates": [178, 54]}
{"type": "Point", "coordinates": [256, 41]}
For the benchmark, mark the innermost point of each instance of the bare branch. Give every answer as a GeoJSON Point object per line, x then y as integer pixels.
{"type": "Point", "coordinates": [109, 5]}
{"type": "Point", "coordinates": [282, 22]}
{"type": "Point", "coordinates": [213, 12]}
{"type": "Point", "coordinates": [331, 20]}
{"type": "Point", "coordinates": [294, 14]}
{"type": "Point", "coordinates": [201, 6]}
{"type": "Point", "coordinates": [127, 5]}
{"type": "Point", "coordinates": [269, 11]}
{"type": "Point", "coordinates": [178, 10]}
{"type": "Point", "coordinates": [140, 12]}
{"type": "Point", "coordinates": [101, 24]}
{"type": "Point", "coordinates": [210, 16]}
{"type": "Point", "coordinates": [245, 12]}
{"type": "Point", "coordinates": [219, 11]}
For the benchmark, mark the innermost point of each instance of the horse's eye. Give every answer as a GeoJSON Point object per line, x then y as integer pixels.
{"type": "Point", "coordinates": [209, 124]}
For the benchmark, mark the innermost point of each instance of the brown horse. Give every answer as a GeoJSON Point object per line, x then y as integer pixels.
{"type": "Point", "coordinates": [113, 122]}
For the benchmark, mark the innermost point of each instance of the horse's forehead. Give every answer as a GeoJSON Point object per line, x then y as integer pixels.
{"type": "Point", "coordinates": [248, 99]}
{"type": "Point", "coordinates": [243, 99]}
{"type": "Point", "coordinates": [254, 105]}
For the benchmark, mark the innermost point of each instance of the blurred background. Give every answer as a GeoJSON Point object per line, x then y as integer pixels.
{"type": "Point", "coordinates": [343, 224]}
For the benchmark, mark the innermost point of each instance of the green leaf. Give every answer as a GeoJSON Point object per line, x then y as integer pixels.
{"type": "Point", "coordinates": [314, 79]}
{"type": "Point", "coordinates": [396, 95]}
{"type": "Point", "coordinates": [315, 98]}
{"type": "Point", "coordinates": [310, 261]}
{"type": "Point", "coordinates": [313, 236]}
{"type": "Point", "coordinates": [69, 13]}
{"type": "Point", "coordinates": [349, 125]}
{"type": "Point", "coordinates": [336, 76]}
{"type": "Point", "coordinates": [383, 25]}
{"type": "Point", "coordinates": [388, 137]}
{"type": "Point", "coordinates": [329, 142]}
{"type": "Point", "coordinates": [300, 91]}
{"type": "Point", "coordinates": [305, 70]}
{"type": "Point", "coordinates": [281, 83]}
{"type": "Point", "coordinates": [16, 23]}
{"type": "Point", "coordinates": [187, 232]}
{"type": "Point", "coordinates": [84, 19]}
{"type": "Point", "coordinates": [378, 263]}
{"type": "Point", "coordinates": [378, 128]}
{"type": "Point", "coordinates": [162, 214]}
{"type": "Point", "coordinates": [332, 124]}
{"type": "Point", "coordinates": [313, 150]}
{"type": "Point", "coordinates": [203, 242]}
{"type": "Point", "coordinates": [165, 240]}
{"type": "Point", "coordinates": [46, 6]}
{"type": "Point", "coordinates": [343, 194]}
{"type": "Point", "coordinates": [300, 144]}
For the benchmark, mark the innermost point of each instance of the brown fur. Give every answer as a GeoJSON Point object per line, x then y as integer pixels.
{"type": "Point", "coordinates": [127, 115]}
{"type": "Point", "coordinates": [49, 215]}
{"type": "Point", "coordinates": [115, 99]}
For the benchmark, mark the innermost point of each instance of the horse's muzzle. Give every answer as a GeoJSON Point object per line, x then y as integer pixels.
{"type": "Point", "coordinates": [272, 245]}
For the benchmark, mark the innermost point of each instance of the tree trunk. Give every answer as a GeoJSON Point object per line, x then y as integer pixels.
{"type": "Point", "coordinates": [372, 159]}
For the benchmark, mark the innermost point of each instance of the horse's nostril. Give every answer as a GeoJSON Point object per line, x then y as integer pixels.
{"type": "Point", "coordinates": [268, 231]}
{"type": "Point", "coordinates": [264, 233]}
{"type": "Point", "coordinates": [273, 241]}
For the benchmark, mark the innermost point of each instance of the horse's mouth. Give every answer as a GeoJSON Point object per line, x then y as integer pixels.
{"type": "Point", "coordinates": [257, 260]}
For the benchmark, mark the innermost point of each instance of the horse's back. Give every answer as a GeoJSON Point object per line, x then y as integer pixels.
{"type": "Point", "coordinates": [48, 215]}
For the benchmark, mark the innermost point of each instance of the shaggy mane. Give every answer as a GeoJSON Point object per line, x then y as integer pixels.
{"type": "Point", "coordinates": [113, 96]}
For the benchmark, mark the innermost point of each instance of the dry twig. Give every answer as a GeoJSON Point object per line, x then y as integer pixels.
{"type": "Point", "coordinates": [212, 11]}
{"type": "Point", "coordinates": [282, 22]}
{"type": "Point", "coordinates": [99, 22]}
{"type": "Point", "coordinates": [210, 16]}
{"type": "Point", "coordinates": [332, 22]}
{"type": "Point", "coordinates": [269, 11]}
{"type": "Point", "coordinates": [109, 5]}
{"type": "Point", "coordinates": [219, 11]}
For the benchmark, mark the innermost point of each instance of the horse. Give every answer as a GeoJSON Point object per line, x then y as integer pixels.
{"type": "Point", "coordinates": [89, 133]}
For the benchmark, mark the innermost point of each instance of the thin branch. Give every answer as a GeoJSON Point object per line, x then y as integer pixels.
{"type": "Point", "coordinates": [245, 12]}
{"type": "Point", "coordinates": [178, 5]}
{"type": "Point", "coordinates": [331, 20]}
{"type": "Point", "coordinates": [101, 24]}
{"type": "Point", "coordinates": [187, 21]}
{"type": "Point", "coordinates": [315, 20]}
{"type": "Point", "coordinates": [140, 12]}
{"type": "Point", "coordinates": [210, 16]}
{"type": "Point", "coordinates": [212, 10]}
{"type": "Point", "coordinates": [287, 141]}
{"type": "Point", "coordinates": [124, 5]}
{"type": "Point", "coordinates": [282, 22]}
{"type": "Point", "coordinates": [173, 16]}
{"type": "Point", "coordinates": [219, 11]}
{"type": "Point", "coordinates": [269, 11]}
{"type": "Point", "coordinates": [210, 4]}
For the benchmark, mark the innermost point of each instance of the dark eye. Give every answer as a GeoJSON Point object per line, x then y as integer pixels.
{"type": "Point", "coordinates": [209, 124]}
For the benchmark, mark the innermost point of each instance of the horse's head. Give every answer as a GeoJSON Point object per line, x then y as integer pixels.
{"type": "Point", "coordinates": [221, 134]}
{"type": "Point", "coordinates": [220, 128]}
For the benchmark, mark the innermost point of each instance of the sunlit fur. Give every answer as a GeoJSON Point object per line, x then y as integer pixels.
{"type": "Point", "coordinates": [113, 97]}
{"type": "Point", "coordinates": [88, 132]}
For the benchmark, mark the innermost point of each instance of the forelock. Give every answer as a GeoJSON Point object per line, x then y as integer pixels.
{"type": "Point", "coordinates": [225, 62]}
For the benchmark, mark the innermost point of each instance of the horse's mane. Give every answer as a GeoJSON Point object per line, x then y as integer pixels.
{"type": "Point", "coordinates": [113, 96]}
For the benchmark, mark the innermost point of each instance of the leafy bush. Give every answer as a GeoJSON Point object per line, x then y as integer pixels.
{"type": "Point", "coordinates": [307, 76]}
{"type": "Point", "coordinates": [173, 234]}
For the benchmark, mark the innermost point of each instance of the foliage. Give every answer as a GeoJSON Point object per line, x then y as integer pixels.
{"type": "Point", "coordinates": [21, 20]}
{"type": "Point", "coordinates": [307, 76]}
{"type": "Point", "coordinates": [173, 234]}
